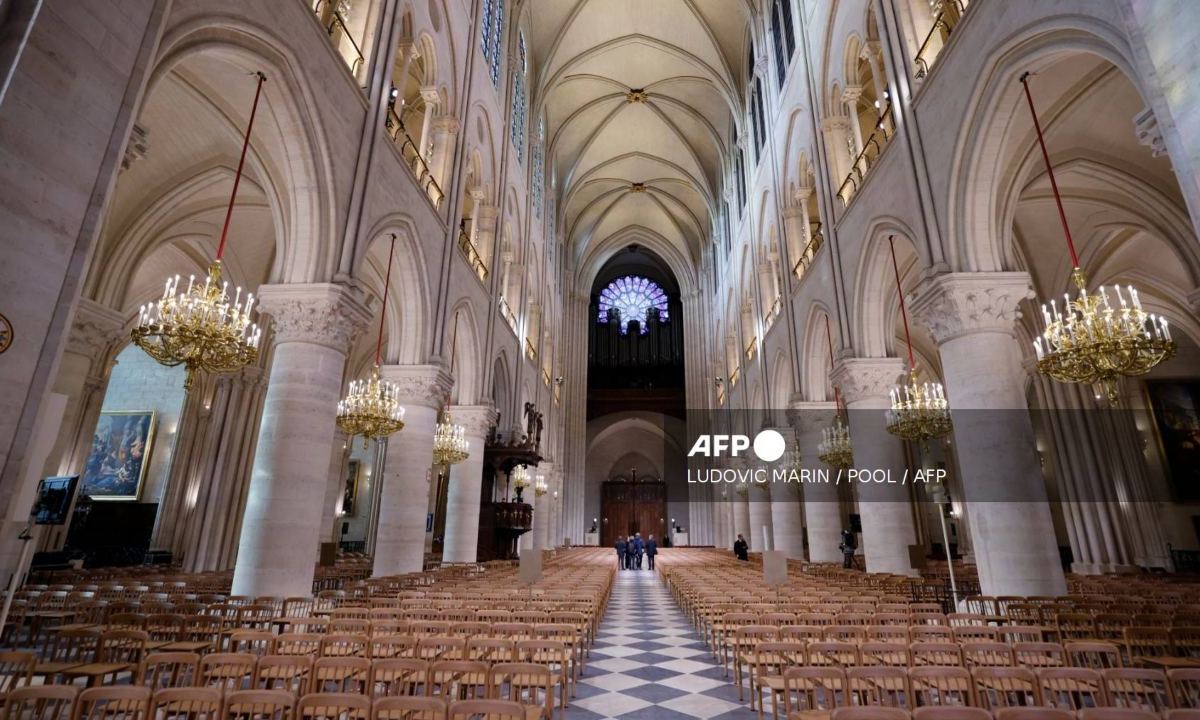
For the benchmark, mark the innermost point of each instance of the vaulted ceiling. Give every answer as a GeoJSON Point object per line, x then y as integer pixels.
{"type": "Point", "coordinates": [648, 161]}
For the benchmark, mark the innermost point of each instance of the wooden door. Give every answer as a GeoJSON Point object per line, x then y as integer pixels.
{"type": "Point", "coordinates": [632, 507]}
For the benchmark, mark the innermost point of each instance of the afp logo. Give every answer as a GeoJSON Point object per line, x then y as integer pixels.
{"type": "Point", "coordinates": [768, 445]}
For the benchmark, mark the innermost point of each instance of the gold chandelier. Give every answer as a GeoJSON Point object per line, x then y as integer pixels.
{"type": "Point", "coordinates": [1091, 340]}
{"type": "Point", "coordinates": [201, 328]}
{"type": "Point", "coordinates": [539, 486]}
{"type": "Point", "coordinates": [371, 407]}
{"type": "Point", "coordinates": [450, 444]}
{"type": "Point", "coordinates": [919, 411]}
{"type": "Point", "coordinates": [520, 478]}
{"type": "Point", "coordinates": [835, 449]}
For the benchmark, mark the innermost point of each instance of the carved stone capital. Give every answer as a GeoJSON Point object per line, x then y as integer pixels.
{"type": "Point", "coordinates": [867, 378]}
{"type": "Point", "coordinates": [94, 329]}
{"type": "Point", "coordinates": [425, 385]}
{"type": "Point", "coordinates": [327, 314]}
{"type": "Point", "coordinates": [1145, 126]}
{"type": "Point", "coordinates": [835, 123]}
{"type": "Point", "coordinates": [430, 95]}
{"type": "Point", "coordinates": [477, 420]}
{"type": "Point", "coordinates": [955, 304]}
{"type": "Point", "coordinates": [871, 49]}
{"type": "Point", "coordinates": [446, 124]}
{"type": "Point", "coordinates": [851, 94]}
{"type": "Point", "coordinates": [806, 416]}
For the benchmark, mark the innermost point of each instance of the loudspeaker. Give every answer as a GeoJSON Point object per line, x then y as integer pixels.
{"type": "Point", "coordinates": [855, 523]}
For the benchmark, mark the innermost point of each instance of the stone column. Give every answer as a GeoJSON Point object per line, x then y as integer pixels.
{"type": "Point", "coordinates": [445, 129]}
{"type": "Point", "coordinates": [971, 317]}
{"type": "Point", "coordinates": [871, 52]}
{"type": "Point", "coordinates": [836, 128]}
{"type": "Point", "coordinates": [313, 326]}
{"type": "Point", "coordinates": [761, 531]}
{"type": "Point", "coordinates": [466, 485]}
{"type": "Point", "coordinates": [541, 507]}
{"type": "Point", "coordinates": [885, 508]}
{"type": "Point", "coordinates": [822, 507]}
{"type": "Point", "coordinates": [483, 228]}
{"type": "Point", "coordinates": [432, 98]}
{"type": "Point", "coordinates": [787, 525]}
{"type": "Point", "coordinates": [404, 493]}
{"type": "Point", "coordinates": [795, 223]}
{"type": "Point", "coordinates": [741, 515]}
{"type": "Point", "coordinates": [850, 96]}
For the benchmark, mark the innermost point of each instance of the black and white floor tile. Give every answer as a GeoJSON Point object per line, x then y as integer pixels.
{"type": "Point", "coordinates": [649, 663]}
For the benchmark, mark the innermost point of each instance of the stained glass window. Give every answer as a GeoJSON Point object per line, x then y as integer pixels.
{"type": "Point", "coordinates": [634, 298]}
{"type": "Point", "coordinates": [519, 102]}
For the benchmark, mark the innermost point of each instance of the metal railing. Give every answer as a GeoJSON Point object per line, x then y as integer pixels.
{"type": "Point", "coordinates": [872, 148]}
{"type": "Point", "coordinates": [751, 347]}
{"type": "Point", "coordinates": [735, 376]}
{"type": "Point", "coordinates": [809, 253]}
{"type": "Point", "coordinates": [474, 259]}
{"type": "Point", "coordinates": [772, 313]}
{"type": "Point", "coordinates": [944, 22]}
{"type": "Point", "coordinates": [509, 316]}
{"type": "Point", "coordinates": [546, 376]}
{"type": "Point", "coordinates": [395, 129]}
{"type": "Point", "coordinates": [335, 26]}
{"type": "Point", "coordinates": [530, 350]}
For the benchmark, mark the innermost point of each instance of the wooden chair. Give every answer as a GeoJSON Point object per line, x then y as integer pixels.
{"type": "Point", "coordinates": [1146, 642]}
{"type": "Point", "coordinates": [997, 687]}
{"type": "Point", "coordinates": [113, 702]}
{"type": "Point", "coordinates": [1095, 655]}
{"type": "Point", "coordinates": [457, 679]}
{"type": "Point", "coordinates": [409, 708]}
{"type": "Point", "coordinates": [870, 713]}
{"type": "Point", "coordinates": [491, 650]}
{"type": "Point", "coordinates": [169, 669]}
{"type": "Point", "coordinates": [1071, 688]}
{"type": "Point", "coordinates": [339, 645]}
{"type": "Point", "coordinates": [941, 685]}
{"type": "Point", "coordinates": [832, 654]}
{"type": "Point", "coordinates": [1185, 687]}
{"type": "Point", "coordinates": [119, 651]}
{"type": "Point", "coordinates": [254, 642]}
{"type": "Point", "coordinates": [1030, 713]}
{"type": "Point", "coordinates": [1116, 714]}
{"type": "Point", "coordinates": [191, 703]}
{"type": "Point", "coordinates": [935, 653]}
{"type": "Point", "coordinates": [44, 702]}
{"type": "Point", "coordinates": [987, 654]}
{"type": "Point", "coordinates": [948, 712]}
{"type": "Point", "coordinates": [879, 686]}
{"type": "Point", "coordinates": [340, 675]}
{"type": "Point", "coordinates": [436, 648]}
{"type": "Point", "coordinates": [1034, 655]}
{"type": "Point", "coordinates": [530, 684]}
{"type": "Point", "coordinates": [489, 709]}
{"type": "Point", "coordinates": [16, 670]}
{"type": "Point", "coordinates": [289, 673]}
{"type": "Point", "coordinates": [810, 691]}
{"type": "Point", "coordinates": [399, 676]}
{"type": "Point", "coordinates": [554, 655]}
{"type": "Point", "coordinates": [885, 653]}
{"type": "Point", "coordinates": [1138, 688]}
{"type": "Point", "coordinates": [333, 706]}
{"type": "Point", "coordinates": [306, 644]}
{"type": "Point", "coordinates": [227, 671]}
{"type": "Point", "coordinates": [259, 705]}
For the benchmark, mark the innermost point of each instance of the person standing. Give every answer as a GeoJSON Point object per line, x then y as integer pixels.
{"type": "Point", "coordinates": [629, 550]}
{"type": "Point", "coordinates": [651, 551]}
{"type": "Point", "coordinates": [639, 547]}
{"type": "Point", "coordinates": [849, 542]}
{"type": "Point", "coordinates": [620, 546]}
{"type": "Point", "coordinates": [741, 549]}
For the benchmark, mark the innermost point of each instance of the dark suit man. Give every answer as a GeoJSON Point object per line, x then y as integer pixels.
{"type": "Point", "coordinates": [741, 548]}
{"type": "Point", "coordinates": [639, 547]}
{"type": "Point", "coordinates": [651, 551]}
{"type": "Point", "coordinates": [849, 542]}
{"type": "Point", "coordinates": [620, 546]}
{"type": "Point", "coordinates": [629, 551]}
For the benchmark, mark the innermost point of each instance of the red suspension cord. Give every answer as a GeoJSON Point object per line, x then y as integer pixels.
{"type": "Point", "coordinates": [912, 364]}
{"type": "Point", "coordinates": [1062, 214]}
{"type": "Point", "coordinates": [387, 283]}
{"type": "Point", "coordinates": [237, 179]}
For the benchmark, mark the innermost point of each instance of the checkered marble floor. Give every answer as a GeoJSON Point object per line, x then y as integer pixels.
{"type": "Point", "coordinates": [648, 663]}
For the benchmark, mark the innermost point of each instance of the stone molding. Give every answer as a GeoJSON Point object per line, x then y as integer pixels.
{"type": "Point", "coordinates": [327, 314]}
{"type": "Point", "coordinates": [955, 304]}
{"type": "Point", "coordinates": [806, 416]}
{"type": "Point", "coordinates": [425, 385]}
{"type": "Point", "coordinates": [477, 421]}
{"type": "Point", "coordinates": [94, 328]}
{"type": "Point", "coordinates": [868, 378]}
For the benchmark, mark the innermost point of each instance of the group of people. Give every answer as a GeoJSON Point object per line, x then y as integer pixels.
{"type": "Point", "coordinates": [631, 549]}
{"type": "Point", "coordinates": [849, 544]}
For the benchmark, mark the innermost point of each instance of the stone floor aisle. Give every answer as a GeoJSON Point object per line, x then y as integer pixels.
{"type": "Point", "coordinates": [649, 663]}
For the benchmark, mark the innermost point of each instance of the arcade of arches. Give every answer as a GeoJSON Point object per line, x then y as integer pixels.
{"type": "Point", "coordinates": [618, 226]}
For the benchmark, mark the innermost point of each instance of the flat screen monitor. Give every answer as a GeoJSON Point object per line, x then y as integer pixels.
{"type": "Point", "coordinates": [54, 499]}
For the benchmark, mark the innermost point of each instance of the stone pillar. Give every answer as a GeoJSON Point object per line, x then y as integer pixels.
{"type": "Point", "coordinates": [787, 526]}
{"type": "Point", "coordinates": [741, 515]}
{"type": "Point", "coordinates": [795, 223]}
{"type": "Point", "coordinates": [822, 507]}
{"type": "Point", "coordinates": [466, 485]}
{"type": "Point", "coordinates": [885, 508]}
{"type": "Point", "coordinates": [432, 98]}
{"type": "Point", "coordinates": [835, 128]}
{"type": "Point", "coordinates": [871, 52]}
{"type": "Point", "coordinates": [971, 317]}
{"type": "Point", "coordinates": [761, 531]}
{"type": "Point", "coordinates": [541, 507]}
{"type": "Point", "coordinates": [850, 96]}
{"type": "Point", "coordinates": [404, 493]}
{"type": "Point", "coordinates": [313, 326]}
{"type": "Point", "coordinates": [445, 130]}
{"type": "Point", "coordinates": [483, 228]}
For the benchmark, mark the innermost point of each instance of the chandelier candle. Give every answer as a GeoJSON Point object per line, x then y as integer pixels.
{"type": "Point", "coordinates": [835, 449]}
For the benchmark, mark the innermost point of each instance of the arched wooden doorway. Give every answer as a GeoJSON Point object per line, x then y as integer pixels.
{"type": "Point", "coordinates": [633, 504]}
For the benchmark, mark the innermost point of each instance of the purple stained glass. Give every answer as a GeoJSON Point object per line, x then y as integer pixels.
{"type": "Point", "coordinates": [633, 298]}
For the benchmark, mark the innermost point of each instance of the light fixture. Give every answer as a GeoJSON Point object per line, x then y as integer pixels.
{"type": "Point", "coordinates": [919, 411]}
{"type": "Point", "coordinates": [371, 407]}
{"type": "Point", "coordinates": [200, 328]}
{"type": "Point", "coordinates": [450, 445]}
{"type": "Point", "coordinates": [1091, 340]}
{"type": "Point", "coordinates": [835, 449]}
{"type": "Point", "coordinates": [520, 480]}
{"type": "Point", "coordinates": [540, 487]}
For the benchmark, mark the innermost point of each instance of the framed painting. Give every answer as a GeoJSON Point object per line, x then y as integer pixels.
{"type": "Point", "coordinates": [120, 453]}
{"type": "Point", "coordinates": [1175, 406]}
{"type": "Point", "coordinates": [350, 493]}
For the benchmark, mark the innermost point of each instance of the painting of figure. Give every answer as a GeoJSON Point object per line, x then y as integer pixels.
{"type": "Point", "coordinates": [116, 464]}
{"type": "Point", "coordinates": [1176, 406]}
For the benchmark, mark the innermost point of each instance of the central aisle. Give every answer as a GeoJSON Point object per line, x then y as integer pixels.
{"type": "Point", "coordinates": [648, 663]}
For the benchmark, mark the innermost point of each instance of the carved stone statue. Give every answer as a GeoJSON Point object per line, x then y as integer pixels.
{"type": "Point", "coordinates": [531, 414]}
{"type": "Point", "coordinates": [537, 438]}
